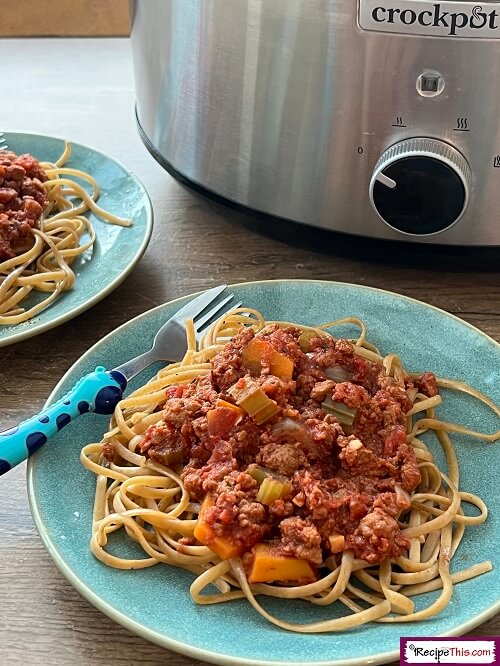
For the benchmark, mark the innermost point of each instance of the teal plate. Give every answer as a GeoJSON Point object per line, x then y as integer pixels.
{"type": "Point", "coordinates": [116, 250]}
{"type": "Point", "coordinates": [155, 602]}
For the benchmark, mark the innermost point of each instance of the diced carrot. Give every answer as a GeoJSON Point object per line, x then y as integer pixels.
{"type": "Point", "coordinates": [229, 405]}
{"type": "Point", "coordinates": [281, 366]}
{"type": "Point", "coordinates": [204, 533]}
{"type": "Point", "coordinates": [260, 352]}
{"type": "Point", "coordinates": [336, 542]}
{"type": "Point", "coordinates": [256, 353]}
{"type": "Point", "coordinates": [270, 565]}
{"type": "Point", "coordinates": [222, 419]}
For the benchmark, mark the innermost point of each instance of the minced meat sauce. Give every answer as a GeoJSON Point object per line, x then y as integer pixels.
{"type": "Point", "coordinates": [22, 200]}
{"type": "Point", "coordinates": [345, 485]}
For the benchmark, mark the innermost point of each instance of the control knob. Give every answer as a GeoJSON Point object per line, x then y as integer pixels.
{"type": "Point", "coordinates": [420, 186]}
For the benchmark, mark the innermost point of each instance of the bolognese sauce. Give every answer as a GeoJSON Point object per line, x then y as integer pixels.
{"type": "Point", "coordinates": [22, 200]}
{"type": "Point", "coordinates": [328, 442]}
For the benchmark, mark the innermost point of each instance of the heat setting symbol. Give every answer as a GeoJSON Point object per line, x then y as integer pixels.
{"type": "Point", "coordinates": [399, 122]}
{"type": "Point", "coordinates": [462, 125]}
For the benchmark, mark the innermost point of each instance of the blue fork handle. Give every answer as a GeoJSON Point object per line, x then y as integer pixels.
{"type": "Point", "coordinates": [99, 392]}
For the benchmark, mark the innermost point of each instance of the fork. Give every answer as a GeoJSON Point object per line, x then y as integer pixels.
{"type": "Point", "coordinates": [101, 390]}
{"type": "Point", "coordinates": [3, 142]}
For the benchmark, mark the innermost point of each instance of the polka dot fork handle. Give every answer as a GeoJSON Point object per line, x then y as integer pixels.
{"type": "Point", "coordinates": [101, 390]}
{"type": "Point", "coordinates": [98, 392]}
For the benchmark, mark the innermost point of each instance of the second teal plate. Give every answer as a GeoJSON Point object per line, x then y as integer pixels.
{"type": "Point", "coordinates": [116, 250]}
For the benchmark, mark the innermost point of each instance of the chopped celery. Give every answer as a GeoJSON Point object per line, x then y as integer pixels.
{"type": "Point", "coordinates": [305, 339]}
{"type": "Point", "coordinates": [266, 412]}
{"type": "Point", "coordinates": [342, 412]}
{"type": "Point", "coordinates": [271, 490]}
{"type": "Point", "coordinates": [243, 389]}
{"type": "Point", "coordinates": [258, 473]}
{"type": "Point", "coordinates": [253, 400]}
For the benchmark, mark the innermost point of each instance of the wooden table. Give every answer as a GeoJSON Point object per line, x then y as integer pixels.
{"type": "Point", "coordinates": [83, 90]}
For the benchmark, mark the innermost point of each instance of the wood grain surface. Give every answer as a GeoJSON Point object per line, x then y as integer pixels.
{"type": "Point", "coordinates": [60, 18]}
{"type": "Point", "coordinates": [196, 244]}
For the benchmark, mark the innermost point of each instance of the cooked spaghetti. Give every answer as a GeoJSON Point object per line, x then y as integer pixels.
{"type": "Point", "coordinates": [42, 222]}
{"type": "Point", "coordinates": [277, 460]}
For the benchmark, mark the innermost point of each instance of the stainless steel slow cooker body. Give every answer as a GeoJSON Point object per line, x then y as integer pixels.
{"type": "Point", "coordinates": [379, 118]}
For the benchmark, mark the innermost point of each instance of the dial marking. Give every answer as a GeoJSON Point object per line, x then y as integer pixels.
{"type": "Point", "coordinates": [385, 180]}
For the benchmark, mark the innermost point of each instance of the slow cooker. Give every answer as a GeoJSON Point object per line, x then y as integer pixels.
{"type": "Point", "coordinates": [378, 118]}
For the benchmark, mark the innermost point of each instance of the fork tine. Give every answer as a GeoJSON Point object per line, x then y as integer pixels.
{"type": "Point", "coordinates": [196, 307]}
{"type": "Point", "coordinates": [219, 307]}
{"type": "Point", "coordinates": [200, 332]}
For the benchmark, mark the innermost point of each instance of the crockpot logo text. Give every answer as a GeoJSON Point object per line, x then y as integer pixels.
{"type": "Point", "coordinates": [433, 19]}
{"type": "Point", "coordinates": [477, 19]}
